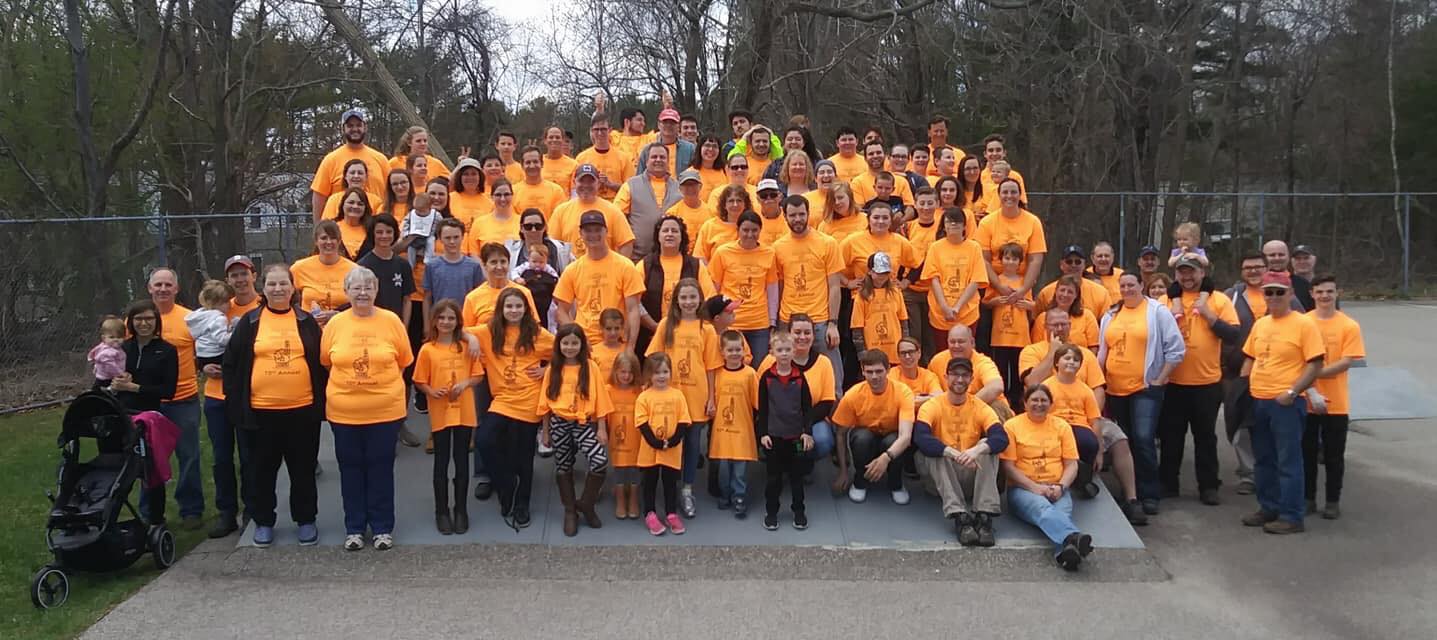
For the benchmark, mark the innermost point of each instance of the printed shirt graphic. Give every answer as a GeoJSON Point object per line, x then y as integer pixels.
{"type": "Point", "coordinates": [279, 378]}
{"type": "Point", "coordinates": [366, 358]}
{"type": "Point", "coordinates": [736, 397]}
{"type": "Point", "coordinates": [663, 411]}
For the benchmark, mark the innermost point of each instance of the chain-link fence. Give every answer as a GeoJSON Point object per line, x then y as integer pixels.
{"type": "Point", "coordinates": [63, 274]}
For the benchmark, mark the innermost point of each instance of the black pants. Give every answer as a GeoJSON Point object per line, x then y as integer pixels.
{"type": "Point", "coordinates": [852, 373]}
{"type": "Point", "coordinates": [865, 445]}
{"type": "Point", "coordinates": [1006, 358]}
{"type": "Point", "coordinates": [1189, 407]}
{"type": "Point", "coordinates": [649, 478]}
{"type": "Point", "coordinates": [983, 342]}
{"type": "Point", "coordinates": [507, 446]}
{"type": "Point", "coordinates": [289, 437]}
{"type": "Point", "coordinates": [451, 444]}
{"type": "Point", "coordinates": [155, 501]}
{"type": "Point", "coordinates": [416, 340]}
{"type": "Point", "coordinates": [1329, 433]}
{"type": "Point", "coordinates": [786, 458]}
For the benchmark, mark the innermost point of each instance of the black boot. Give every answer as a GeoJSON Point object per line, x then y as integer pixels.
{"type": "Point", "coordinates": [442, 522]}
{"type": "Point", "coordinates": [461, 518]}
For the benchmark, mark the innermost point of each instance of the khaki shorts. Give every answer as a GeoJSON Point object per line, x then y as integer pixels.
{"type": "Point", "coordinates": [1109, 431]}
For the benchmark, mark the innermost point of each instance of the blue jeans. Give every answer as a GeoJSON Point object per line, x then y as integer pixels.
{"type": "Point", "coordinates": [189, 487]}
{"type": "Point", "coordinates": [1277, 451]}
{"type": "Point", "coordinates": [1137, 415]}
{"type": "Point", "coordinates": [733, 480]}
{"type": "Point", "coordinates": [223, 443]}
{"type": "Point", "coordinates": [366, 475]}
{"type": "Point", "coordinates": [695, 445]}
{"type": "Point", "coordinates": [835, 358]}
{"type": "Point", "coordinates": [822, 440]}
{"type": "Point", "coordinates": [1054, 518]}
{"type": "Point", "coordinates": [757, 343]}
{"type": "Point", "coordinates": [483, 397]}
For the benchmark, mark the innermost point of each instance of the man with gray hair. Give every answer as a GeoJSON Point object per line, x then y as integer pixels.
{"type": "Point", "coordinates": [645, 197]}
{"type": "Point", "coordinates": [184, 407]}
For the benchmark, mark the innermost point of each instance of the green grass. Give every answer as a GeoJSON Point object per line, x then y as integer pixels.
{"type": "Point", "coordinates": [27, 469]}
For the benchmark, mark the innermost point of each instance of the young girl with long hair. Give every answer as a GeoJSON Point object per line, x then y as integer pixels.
{"type": "Point", "coordinates": [575, 406]}
{"type": "Point", "coordinates": [878, 309]}
{"type": "Point", "coordinates": [446, 374]}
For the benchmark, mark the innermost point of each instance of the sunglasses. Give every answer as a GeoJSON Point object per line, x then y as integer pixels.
{"type": "Point", "coordinates": [738, 167]}
{"type": "Point", "coordinates": [533, 226]}
{"type": "Point", "coordinates": [1274, 293]}
{"type": "Point", "coordinates": [769, 195]}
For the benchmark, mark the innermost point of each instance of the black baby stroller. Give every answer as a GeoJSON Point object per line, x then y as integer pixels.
{"type": "Point", "coordinates": [85, 531]}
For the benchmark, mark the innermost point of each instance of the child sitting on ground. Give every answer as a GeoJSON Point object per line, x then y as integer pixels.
{"type": "Point", "coordinates": [1187, 240]}
{"type": "Point", "coordinates": [107, 357]}
{"type": "Point", "coordinates": [211, 325]}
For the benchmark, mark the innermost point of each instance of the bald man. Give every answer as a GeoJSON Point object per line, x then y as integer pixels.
{"type": "Point", "coordinates": [184, 408]}
{"type": "Point", "coordinates": [987, 382]}
{"type": "Point", "coordinates": [1279, 260]}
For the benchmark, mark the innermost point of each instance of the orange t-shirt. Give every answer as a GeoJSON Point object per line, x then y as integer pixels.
{"type": "Point", "coordinates": [819, 375]}
{"type": "Point", "coordinates": [214, 387]}
{"type": "Point", "coordinates": [616, 165]}
{"type": "Point", "coordinates": [332, 203]}
{"type": "Point", "coordinates": [984, 369]}
{"type": "Point", "coordinates": [804, 265]}
{"type": "Point", "coordinates": [841, 228]}
{"type": "Point", "coordinates": [516, 395]}
{"type": "Point", "coordinates": [673, 268]}
{"type": "Point", "coordinates": [443, 367]}
{"type": "Point", "coordinates": [773, 229]}
{"type": "Point", "coordinates": [560, 171]}
{"type": "Point", "coordinates": [366, 357]}
{"type": "Point", "coordinates": [1074, 402]}
{"type": "Point", "coordinates": [604, 356]}
{"type": "Point", "coordinates": [279, 378]}
{"type": "Point", "coordinates": [564, 224]}
{"type": "Point", "coordinates": [568, 403]}
{"type": "Point", "coordinates": [624, 435]}
{"type": "Point", "coordinates": [321, 285]}
{"type": "Point", "coordinates": [713, 197]}
{"type": "Point", "coordinates": [594, 285]}
{"type": "Point", "coordinates": [1094, 295]}
{"type": "Point", "coordinates": [877, 412]}
{"type": "Point", "coordinates": [693, 217]}
{"type": "Point", "coordinates": [714, 234]}
{"type": "Point", "coordinates": [544, 196]}
{"type": "Point", "coordinates": [478, 306]}
{"type": "Point", "coordinates": [1110, 283]}
{"type": "Point", "coordinates": [713, 180]}
{"type": "Point", "coordinates": [1203, 362]}
{"type": "Point", "coordinates": [329, 177]}
{"type": "Point", "coordinates": [1255, 301]}
{"type": "Point", "coordinates": [695, 353]}
{"type": "Point", "coordinates": [664, 411]}
{"type": "Point", "coordinates": [744, 275]}
{"type": "Point", "coordinates": [956, 265]}
{"type": "Point", "coordinates": [174, 331]}
{"type": "Point", "coordinates": [1343, 339]}
{"type": "Point", "coordinates": [352, 236]}
{"type": "Point", "coordinates": [856, 248]}
{"type": "Point", "coordinates": [1280, 349]}
{"type": "Point", "coordinates": [1089, 373]}
{"type": "Point", "coordinates": [489, 228]}
{"type": "Point", "coordinates": [848, 168]}
{"type": "Point", "coordinates": [467, 207]}
{"type": "Point", "coordinates": [1038, 449]}
{"type": "Point", "coordinates": [1083, 329]}
{"type": "Point", "coordinates": [735, 401]}
{"type": "Point", "coordinates": [924, 383]}
{"type": "Point", "coordinates": [990, 201]}
{"type": "Point", "coordinates": [1010, 324]}
{"type": "Point", "coordinates": [437, 168]}
{"type": "Point", "coordinates": [881, 318]}
{"type": "Point", "coordinates": [625, 198]}
{"type": "Point", "coordinates": [1127, 342]}
{"type": "Point", "coordinates": [957, 425]}
{"type": "Point", "coordinates": [921, 238]}
{"type": "Point", "coordinates": [863, 188]}
{"type": "Point", "coordinates": [1026, 230]}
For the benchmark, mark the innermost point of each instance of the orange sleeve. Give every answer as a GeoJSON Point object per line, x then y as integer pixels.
{"type": "Point", "coordinates": [422, 365]}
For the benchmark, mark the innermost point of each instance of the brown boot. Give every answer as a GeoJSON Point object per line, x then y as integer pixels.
{"type": "Point", "coordinates": [621, 502]}
{"type": "Point", "coordinates": [593, 485]}
{"type": "Point", "coordinates": [566, 497]}
{"type": "Point", "coordinates": [633, 491]}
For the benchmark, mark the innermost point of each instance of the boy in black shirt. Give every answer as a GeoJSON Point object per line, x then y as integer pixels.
{"type": "Point", "coordinates": [784, 429]}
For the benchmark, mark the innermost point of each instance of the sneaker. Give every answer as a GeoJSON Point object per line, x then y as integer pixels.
{"type": "Point", "coordinates": [224, 526]}
{"type": "Point", "coordinates": [410, 440]}
{"type": "Point", "coordinates": [1150, 507]}
{"type": "Point", "coordinates": [1210, 497]}
{"type": "Point", "coordinates": [1069, 558]}
{"type": "Point", "coordinates": [1085, 491]}
{"type": "Point", "coordinates": [1258, 518]}
{"type": "Point", "coordinates": [656, 527]}
{"type": "Point", "coordinates": [308, 534]}
{"type": "Point", "coordinates": [900, 496]}
{"type": "Point", "coordinates": [857, 495]}
{"type": "Point", "coordinates": [687, 505]}
{"type": "Point", "coordinates": [1245, 487]}
{"type": "Point", "coordinates": [770, 521]}
{"type": "Point", "coordinates": [1134, 513]}
{"type": "Point", "coordinates": [483, 487]}
{"type": "Point", "coordinates": [1283, 527]}
{"type": "Point", "coordinates": [985, 530]}
{"type": "Point", "coordinates": [1085, 544]}
{"type": "Point", "coordinates": [967, 531]}
{"type": "Point", "coordinates": [545, 452]}
{"type": "Point", "coordinates": [383, 542]}
{"type": "Point", "coordinates": [1331, 511]}
{"type": "Point", "coordinates": [800, 520]}
{"type": "Point", "coordinates": [676, 524]}
{"type": "Point", "coordinates": [263, 536]}
{"type": "Point", "coordinates": [353, 542]}
{"type": "Point", "coordinates": [521, 516]}
{"type": "Point", "coordinates": [740, 508]}
{"type": "Point", "coordinates": [724, 503]}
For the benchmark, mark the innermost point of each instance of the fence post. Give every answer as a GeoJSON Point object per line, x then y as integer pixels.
{"type": "Point", "coordinates": [1261, 219]}
{"type": "Point", "coordinates": [1406, 244]}
{"type": "Point", "coordinates": [161, 233]}
{"type": "Point", "coordinates": [283, 222]}
{"type": "Point", "coordinates": [1122, 229]}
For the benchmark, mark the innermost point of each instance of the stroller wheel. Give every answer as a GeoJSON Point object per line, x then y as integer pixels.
{"type": "Point", "coordinates": [162, 544]}
{"type": "Point", "coordinates": [49, 588]}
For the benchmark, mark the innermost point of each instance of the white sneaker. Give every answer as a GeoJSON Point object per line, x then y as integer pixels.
{"type": "Point", "coordinates": [900, 496]}
{"type": "Point", "coordinates": [544, 451]}
{"type": "Point", "coordinates": [353, 542]}
{"type": "Point", "coordinates": [857, 495]}
{"type": "Point", "coordinates": [383, 542]}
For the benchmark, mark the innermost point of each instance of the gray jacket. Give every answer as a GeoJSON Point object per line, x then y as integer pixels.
{"type": "Point", "coordinates": [1232, 356]}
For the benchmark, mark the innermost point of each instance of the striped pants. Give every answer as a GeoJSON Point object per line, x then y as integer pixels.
{"type": "Point", "coordinates": [570, 438]}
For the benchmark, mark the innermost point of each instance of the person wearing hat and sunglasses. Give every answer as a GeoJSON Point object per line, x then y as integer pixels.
{"type": "Point", "coordinates": [1074, 262]}
{"type": "Point", "coordinates": [1282, 358]}
{"type": "Point", "coordinates": [329, 177]}
{"type": "Point", "coordinates": [770, 209]}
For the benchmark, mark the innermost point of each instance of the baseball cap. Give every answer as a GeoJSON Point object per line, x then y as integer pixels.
{"type": "Point", "coordinates": [1148, 249]}
{"type": "Point", "coordinates": [239, 259]}
{"type": "Point", "coordinates": [959, 364]}
{"type": "Point", "coordinates": [586, 170]}
{"type": "Point", "coordinates": [767, 184]}
{"type": "Point", "coordinates": [717, 305]}
{"type": "Point", "coordinates": [689, 175]}
{"type": "Point", "coordinates": [1276, 280]}
{"type": "Point", "coordinates": [467, 163]}
{"type": "Point", "coordinates": [1075, 250]}
{"type": "Point", "coordinates": [1188, 260]}
{"type": "Point", "coordinates": [879, 262]}
{"type": "Point", "coordinates": [1303, 249]}
{"type": "Point", "coordinates": [353, 113]}
{"type": "Point", "coordinates": [671, 115]}
{"type": "Point", "coordinates": [592, 217]}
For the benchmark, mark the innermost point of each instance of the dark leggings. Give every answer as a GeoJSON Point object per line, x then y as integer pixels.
{"type": "Point", "coordinates": [1006, 359]}
{"type": "Point", "coordinates": [649, 483]}
{"type": "Point", "coordinates": [852, 374]}
{"type": "Point", "coordinates": [1328, 432]}
{"type": "Point", "coordinates": [451, 444]}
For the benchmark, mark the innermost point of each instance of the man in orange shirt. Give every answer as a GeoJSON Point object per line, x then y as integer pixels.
{"type": "Point", "coordinates": [809, 273]}
{"type": "Point", "coordinates": [960, 438]}
{"type": "Point", "coordinates": [864, 185]}
{"type": "Point", "coordinates": [1283, 356]}
{"type": "Point", "coordinates": [874, 420]}
{"type": "Point", "coordinates": [614, 166]}
{"type": "Point", "coordinates": [184, 408]}
{"type": "Point", "coordinates": [600, 279]}
{"type": "Point", "coordinates": [558, 167]}
{"type": "Point", "coordinates": [847, 164]}
{"type": "Point", "coordinates": [1194, 391]}
{"type": "Point", "coordinates": [239, 273]}
{"type": "Point", "coordinates": [533, 191]}
{"type": "Point", "coordinates": [329, 177]}
{"type": "Point", "coordinates": [1327, 419]}
{"type": "Point", "coordinates": [938, 140]}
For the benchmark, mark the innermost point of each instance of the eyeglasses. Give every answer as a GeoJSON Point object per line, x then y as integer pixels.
{"type": "Point", "coordinates": [738, 167]}
{"type": "Point", "coordinates": [534, 226]}
{"type": "Point", "coordinates": [905, 353]}
{"type": "Point", "coordinates": [1274, 293]}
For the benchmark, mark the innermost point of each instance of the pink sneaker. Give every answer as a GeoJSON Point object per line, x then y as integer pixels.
{"type": "Point", "coordinates": [652, 521]}
{"type": "Point", "coordinates": [676, 524]}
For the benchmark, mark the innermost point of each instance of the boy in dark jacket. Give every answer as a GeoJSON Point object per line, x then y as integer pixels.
{"type": "Point", "coordinates": [785, 430]}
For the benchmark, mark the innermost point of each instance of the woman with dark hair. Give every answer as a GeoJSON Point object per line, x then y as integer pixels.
{"type": "Point", "coordinates": [438, 192]}
{"type": "Point", "coordinates": [794, 138]}
{"type": "Point", "coordinates": [468, 198]}
{"type": "Point", "coordinates": [274, 393]}
{"type": "Point", "coordinates": [970, 187]}
{"type": "Point", "coordinates": [152, 370]}
{"type": "Point", "coordinates": [709, 162]}
{"type": "Point", "coordinates": [722, 229]}
{"type": "Point", "coordinates": [745, 271]}
{"type": "Point", "coordinates": [356, 176]}
{"type": "Point", "coordinates": [534, 230]}
{"type": "Point", "coordinates": [319, 279]}
{"type": "Point", "coordinates": [663, 269]}
{"type": "Point", "coordinates": [398, 194]}
{"type": "Point", "coordinates": [1041, 464]}
{"type": "Point", "coordinates": [500, 224]}
{"type": "Point", "coordinates": [354, 217]}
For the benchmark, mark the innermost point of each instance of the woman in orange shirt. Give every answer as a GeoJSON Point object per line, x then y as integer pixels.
{"type": "Point", "coordinates": [710, 165]}
{"type": "Point", "coordinates": [575, 407]}
{"type": "Point", "coordinates": [745, 271]}
{"type": "Point", "coordinates": [662, 415]}
{"type": "Point", "coordinates": [467, 197]}
{"type": "Point", "coordinates": [398, 194]}
{"type": "Point", "coordinates": [356, 176]}
{"type": "Point", "coordinates": [843, 218]}
{"type": "Point", "coordinates": [971, 186]}
{"type": "Point", "coordinates": [723, 228]}
{"type": "Point", "coordinates": [1068, 294]}
{"type": "Point", "coordinates": [354, 217]}
{"type": "Point", "coordinates": [320, 277]}
{"type": "Point", "coordinates": [515, 351]}
{"type": "Point", "coordinates": [624, 436]}
{"type": "Point", "coordinates": [274, 389]}
{"type": "Point", "coordinates": [446, 374]}
{"type": "Point", "coordinates": [366, 349]}
{"type": "Point", "coordinates": [1041, 463]}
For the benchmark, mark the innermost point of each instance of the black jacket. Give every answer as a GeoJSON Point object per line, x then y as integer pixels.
{"type": "Point", "coordinates": [239, 366]}
{"type": "Point", "coordinates": [785, 408]}
{"type": "Point", "coordinates": [155, 367]}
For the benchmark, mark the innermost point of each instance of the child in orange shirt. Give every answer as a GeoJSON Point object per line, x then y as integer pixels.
{"type": "Point", "coordinates": [693, 345]}
{"type": "Point", "coordinates": [879, 311]}
{"type": "Point", "coordinates": [662, 414]}
{"type": "Point", "coordinates": [1011, 323]}
{"type": "Point", "coordinates": [446, 374]}
{"type": "Point", "coordinates": [734, 443]}
{"type": "Point", "coordinates": [575, 406]}
{"type": "Point", "coordinates": [624, 434]}
{"type": "Point", "coordinates": [611, 322]}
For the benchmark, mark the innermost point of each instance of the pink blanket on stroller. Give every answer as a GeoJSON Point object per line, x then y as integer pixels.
{"type": "Point", "coordinates": [161, 436]}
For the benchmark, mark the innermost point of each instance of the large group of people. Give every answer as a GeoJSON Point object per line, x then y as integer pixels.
{"type": "Point", "coordinates": [667, 301]}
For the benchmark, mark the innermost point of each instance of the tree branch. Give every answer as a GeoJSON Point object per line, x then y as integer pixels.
{"type": "Point", "coordinates": [148, 101]}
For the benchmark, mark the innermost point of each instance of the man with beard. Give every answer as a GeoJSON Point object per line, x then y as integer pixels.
{"type": "Point", "coordinates": [329, 177]}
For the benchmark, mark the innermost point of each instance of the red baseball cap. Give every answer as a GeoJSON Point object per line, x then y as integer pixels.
{"type": "Point", "coordinates": [1276, 280]}
{"type": "Point", "coordinates": [671, 115]}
